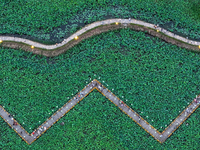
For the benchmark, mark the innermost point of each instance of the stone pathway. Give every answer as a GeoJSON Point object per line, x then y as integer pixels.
{"type": "Point", "coordinates": [93, 25]}
{"type": "Point", "coordinates": [161, 137]}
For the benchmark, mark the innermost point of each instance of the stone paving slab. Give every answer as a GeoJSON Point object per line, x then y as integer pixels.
{"type": "Point", "coordinates": [93, 25]}
{"type": "Point", "coordinates": [161, 137]}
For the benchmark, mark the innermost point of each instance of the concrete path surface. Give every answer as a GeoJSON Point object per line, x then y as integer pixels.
{"type": "Point", "coordinates": [96, 24]}
{"type": "Point", "coordinates": [160, 137]}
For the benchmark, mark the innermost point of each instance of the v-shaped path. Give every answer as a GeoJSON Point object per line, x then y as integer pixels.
{"type": "Point", "coordinates": [160, 137]}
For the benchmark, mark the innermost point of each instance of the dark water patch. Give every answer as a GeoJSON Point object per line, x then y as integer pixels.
{"type": "Point", "coordinates": [170, 25]}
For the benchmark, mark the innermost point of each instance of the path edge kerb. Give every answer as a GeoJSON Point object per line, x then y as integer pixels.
{"type": "Point", "coordinates": [95, 29]}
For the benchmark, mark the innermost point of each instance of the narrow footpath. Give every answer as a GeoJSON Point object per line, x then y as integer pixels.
{"type": "Point", "coordinates": [161, 137]}
{"type": "Point", "coordinates": [49, 50]}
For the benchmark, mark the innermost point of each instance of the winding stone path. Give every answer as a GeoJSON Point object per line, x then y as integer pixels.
{"type": "Point", "coordinates": [124, 22]}
{"type": "Point", "coordinates": [160, 137]}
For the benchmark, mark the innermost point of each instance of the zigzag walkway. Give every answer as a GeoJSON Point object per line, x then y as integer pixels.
{"type": "Point", "coordinates": [28, 45]}
{"type": "Point", "coordinates": [161, 137]}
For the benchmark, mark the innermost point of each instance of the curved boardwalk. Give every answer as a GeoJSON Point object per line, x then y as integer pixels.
{"type": "Point", "coordinates": [46, 50]}
{"type": "Point", "coordinates": [160, 137]}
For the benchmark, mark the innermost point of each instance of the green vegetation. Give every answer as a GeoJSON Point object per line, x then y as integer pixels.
{"type": "Point", "coordinates": [157, 78]}
{"type": "Point", "coordinates": [105, 128]}
{"type": "Point", "coordinates": [51, 21]}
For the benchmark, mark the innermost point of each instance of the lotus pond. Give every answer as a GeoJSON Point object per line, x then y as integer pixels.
{"type": "Point", "coordinates": [156, 78]}
{"type": "Point", "coordinates": [51, 21]}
